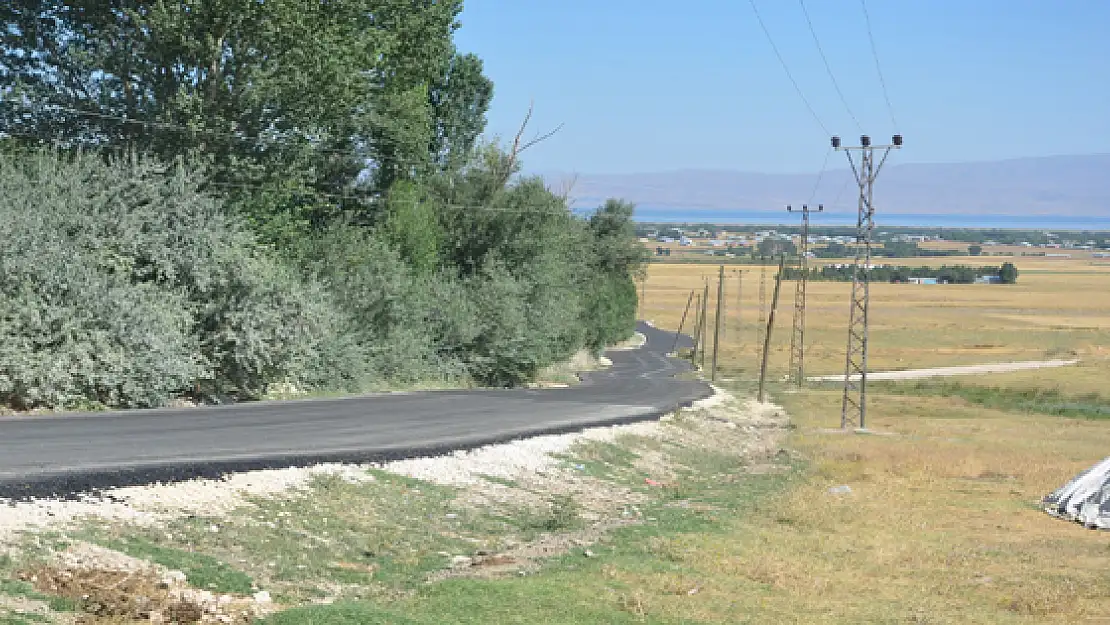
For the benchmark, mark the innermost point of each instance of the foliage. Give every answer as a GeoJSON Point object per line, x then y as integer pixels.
{"type": "Point", "coordinates": [772, 248]}
{"type": "Point", "coordinates": [618, 259]}
{"type": "Point", "coordinates": [329, 221]}
{"type": "Point", "coordinates": [1008, 273]}
{"type": "Point", "coordinates": [123, 285]}
{"type": "Point", "coordinates": [286, 102]}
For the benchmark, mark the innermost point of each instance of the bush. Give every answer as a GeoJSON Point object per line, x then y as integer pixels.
{"type": "Point", "coordinates": [124, 286]}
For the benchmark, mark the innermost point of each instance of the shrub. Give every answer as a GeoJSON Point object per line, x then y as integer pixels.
{"type": "Point", "coordinates": [123, 285]}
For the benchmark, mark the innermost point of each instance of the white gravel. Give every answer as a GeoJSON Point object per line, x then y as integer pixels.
{"type": "Point", "coordinates": [154, 503]}
{"type": "Point", "coordinates": [158, 503]}
{"type": "Point", "coordinates": [507, 461]}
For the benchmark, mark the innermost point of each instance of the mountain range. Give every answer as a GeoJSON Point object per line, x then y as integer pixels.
{"type": "Point", "coordinates": [1064, 186]}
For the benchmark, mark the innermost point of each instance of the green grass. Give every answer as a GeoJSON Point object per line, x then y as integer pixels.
{"type": "Point", "coordinates": [202, 571]}
{"type": "Point", "coordinates": [337, 539]}
{"type": "Point", "coordinates": [601, 459]}
{"type": "Point", "coordinates": [573, 588]}
{"type": "Point", "coordinates": [22, 619]}
{"type": "Point", "coordinates": [16, 588]}
{"type": "Point", "coordinates": [561, 514]}
{"type": "Point", "coordinates": [1022, 400]}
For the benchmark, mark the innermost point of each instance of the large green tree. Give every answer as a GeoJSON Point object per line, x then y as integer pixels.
{"type": "Point", "coordinates": [300, 110]}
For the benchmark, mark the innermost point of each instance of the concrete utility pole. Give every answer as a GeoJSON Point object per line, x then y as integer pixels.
{"type": "Point", "coordinates": [854, 406]}
{"type": "Point", "coordinates": [798, 336]}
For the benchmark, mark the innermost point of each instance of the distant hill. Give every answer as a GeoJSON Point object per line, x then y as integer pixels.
{"type": "Point", "coordinates": [1077, 186]}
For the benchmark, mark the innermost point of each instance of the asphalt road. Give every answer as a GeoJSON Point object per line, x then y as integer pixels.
{"type": "Point", "coordinates": [66, 454]}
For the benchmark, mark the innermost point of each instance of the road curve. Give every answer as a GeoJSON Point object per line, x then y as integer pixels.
{"type": "Point", "coordinates": [62, 455]}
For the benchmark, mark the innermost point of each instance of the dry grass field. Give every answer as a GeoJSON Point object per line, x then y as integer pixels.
{"type": "Point", "coordinates": [1058, 308]}
{"type": "Point", "coordinates": [942, 523]}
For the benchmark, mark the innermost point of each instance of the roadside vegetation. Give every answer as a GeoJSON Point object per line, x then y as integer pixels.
{"type": "Point", "coordinates": [199, 229]}
{"type": "Point", "coordinates": [728, 515]}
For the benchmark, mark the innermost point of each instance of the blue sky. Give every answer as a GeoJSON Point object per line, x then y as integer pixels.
{"type": "Point", "coordinates": [650, 86]}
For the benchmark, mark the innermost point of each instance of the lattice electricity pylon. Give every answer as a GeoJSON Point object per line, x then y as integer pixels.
{"type": "Point", "coordinates": [798, 336]}
{"type": "Point", "coordinates": [854, 405]}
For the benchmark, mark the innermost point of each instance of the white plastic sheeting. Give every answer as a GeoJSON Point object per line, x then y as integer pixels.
{"type": "Point", "coordinates": [1085, 499]}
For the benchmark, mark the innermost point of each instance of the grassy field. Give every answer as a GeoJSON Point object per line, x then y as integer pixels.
{"type": "Point", "coordinates": [1057, 309]}
{"type": "Point", "coordinates": [942, 523]}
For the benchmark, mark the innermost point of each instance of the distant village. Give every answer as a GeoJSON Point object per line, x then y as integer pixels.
{"type": "Point", "coordinates": [1053, 246]}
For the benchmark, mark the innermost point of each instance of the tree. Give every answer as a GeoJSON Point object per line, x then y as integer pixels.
{"type": "Point", "coordinates": [775, 247]}
{"type": "Point", "coordinates": [300, 111]}
{"type": "Point", "coordinates": [459, 101]}
{"type": "Point", "coordinates": [1008, 273]}
{"type": "Point", "coordinates": [974, 250]}
{"type": "Point", "coordinates": [901, 249]}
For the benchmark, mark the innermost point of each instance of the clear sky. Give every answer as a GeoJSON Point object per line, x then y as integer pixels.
{"type": "Point", "coordinates": [648, 85]}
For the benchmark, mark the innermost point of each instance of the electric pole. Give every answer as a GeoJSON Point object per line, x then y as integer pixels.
{"type": "Point", "coordinates": [717, 321]}
{"type": "Point", "coordinates": [739, 307]}
{"type": "Point", "coordinates": [697, 331]}
{"type": "Point", "coordinates": [761, 320]}
{"type": "Point", "coordinates": [704, 321]}
{"type": "Point", "coordinates": [854, 406]}
{"type": "Point", "coordinates": [643, 296]}
{"type": "Point", "coordinates": [770, 327]}
{"type": "Point", "coordinates": [797, 337]}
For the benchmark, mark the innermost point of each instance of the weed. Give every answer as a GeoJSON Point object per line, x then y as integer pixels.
{"type": "Point", "coordinates": [561, 513]}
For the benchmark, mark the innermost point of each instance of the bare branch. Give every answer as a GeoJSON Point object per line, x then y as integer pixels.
{"type": "Point", "coordinates": [518, 147]}
{"type": "Point", "coordinates": [540, 138]}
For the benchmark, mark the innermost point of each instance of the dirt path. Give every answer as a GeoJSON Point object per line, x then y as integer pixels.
{"type": "Point", "coordinates": [938, 372]}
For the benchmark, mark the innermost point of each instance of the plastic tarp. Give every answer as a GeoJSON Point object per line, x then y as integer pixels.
{"type": "Point", "coordinates": [1085, 499]}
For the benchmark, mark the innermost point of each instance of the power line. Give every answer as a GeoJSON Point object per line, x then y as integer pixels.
{"type": "Point", "coordinates": [820, 175]}
{"type": "Point", "coordinates": [878, 67]}
{"type": "Point", "coordinates": [785, 68]}
{"type": "Point", "coordinates": [828, 68]}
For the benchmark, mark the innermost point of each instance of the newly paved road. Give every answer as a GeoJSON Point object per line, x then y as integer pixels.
{"type": "Point", "coordinates": [67, 454]}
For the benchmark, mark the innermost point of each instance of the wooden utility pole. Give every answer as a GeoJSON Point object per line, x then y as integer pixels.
{"type": "Point", "coordinates": [770, 326]}
{"type": "Point", "coordinates": [697, 330]}
{"type": "Point", "coordinates": [678, 333]}
{"type": "Point", "coordinates": [761, 323]}
{"type": "Point", "coordinates": [739, 306]}
{"type": "Point", "coordinates": [704, 321]}
{"type": "Point", "coordinates": [643, 296]}
{"type": "Point", "coordinates": [717, 321]}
